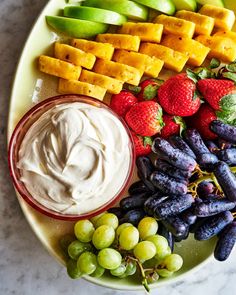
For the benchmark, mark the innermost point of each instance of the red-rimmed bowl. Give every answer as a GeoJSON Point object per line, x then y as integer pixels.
{"type": "Point", "coordinates": [18, 135]}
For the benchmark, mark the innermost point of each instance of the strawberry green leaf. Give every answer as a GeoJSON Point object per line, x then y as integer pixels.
{"type": "Point", "coordinates": [230, 76]}
{"type": "Point", "coordinates": [228, 118]}
{"type": "Point", "coordinates": [228, 103]}
{"type": "Point", "coordinates": [179, 120]}
{"type": "Point", "coordinates": [147, 140]}
{"type": "Point", "coordinates": [133, 89]}
{"type": "Point", "coordinates": [159, 117]}
{"type": "Point", "coordinates": [215, 63]}
{"type": "Point", "coordinates": [205, 73]}
{"type": "Point", "coordinates": [195, 95]}
{"type": "Point", "coordinates": [228, 109]}
{"type": "Point", "coordinates": [192, 75]}
{"type": "Point", "coordinates": [231, 67]}
{"type": "Point", "coordinates": [150, 92]}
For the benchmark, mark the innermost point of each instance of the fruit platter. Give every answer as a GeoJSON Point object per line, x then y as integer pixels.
{"type": "Point", "coordinates": [122, 137]}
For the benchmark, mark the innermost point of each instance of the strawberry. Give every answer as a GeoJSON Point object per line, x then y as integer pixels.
{"type": "Point", "coordinates": [145, 118]}
{"type": "Point", "coordinates": [142, 145]}
{"type": "Point", "coordinates": [122, 102]}
{"type": "Point", "coordinates": [148, 90]}
{"type": "Point", "coordinates": [215, 90]}
{"type": "Point", "coordinates": [202, 120]}
{"type": "Point", "coordinates": [178, 96]}
{"type": "Point", "coordinates": [174, 125]}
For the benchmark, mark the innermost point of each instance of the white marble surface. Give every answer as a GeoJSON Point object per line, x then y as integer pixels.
{"type": "Point", "coordinates": [25, 267]}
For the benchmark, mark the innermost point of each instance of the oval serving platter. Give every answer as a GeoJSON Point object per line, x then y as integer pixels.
{"type": "Point", "coordinates": [30, 86]}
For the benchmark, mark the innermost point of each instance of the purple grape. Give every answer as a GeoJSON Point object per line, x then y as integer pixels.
{"type": "Point", "coordinates": [175, 225]}
{"type": "Point", "coordinates": [145, 166]}
{"type": "Point", "coordinates": [173, 156]}
{"type": "Point", "coordinates": [151, 203]}
{"type": "Point", "coordinates": [117, 211]}
{"type": "Point", "coordinates": [213, 207]}
{"type": "Point", "coordinates": [198, 200]}
{"type": "Point", "coordinates": [205, 159]}
{"type": "Point", "coordinates": [228, 156]}
{"type": "Point", "coordinates": [212, 147]}
{"type": "Point", "coordinates": [173, 206]}
{"type": "Point", "coordinates": [226, 180]}
{"type": "Point", "coordinates": [133, 216]}
{"type": "Point", "coordinates": [183, 237]}
{"type": "Point", "coordinates": [213, 197]}
{"type": "Point", "coordinates": [226, 242]}
{"type": "Point", "coordinates": [213, 225]}
{"type": "Point", "coordinates": [133, 202]}
{"type": "Point", "coordinates": [205, 188]}
{"type": "Point", "coordinates": [188, 216]}
{"type": "Point", "coordinates": [172, 171]}
{"type": "Point", "coordinates": [224, 131]}
{"type": "Point", "coordinates": [168, 235]}
{"type": "Point", "coordinates": [179, 143]}
{"type": "Point", "coordinates": [197, 224]}
{"type": "Point", "coordinates": [145, 169]}
{"type": "Point", "coordinates": [195, 142]}
{"type": "Point", "coordinates": [167, 184]}
{"type": "Point", "coordinates": [224, 144]}
{"type": "Point", "coordinates": [138, 187]}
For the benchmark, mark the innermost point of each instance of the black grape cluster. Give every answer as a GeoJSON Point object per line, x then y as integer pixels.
{"type": "Point", "coordinates": [190, 188]}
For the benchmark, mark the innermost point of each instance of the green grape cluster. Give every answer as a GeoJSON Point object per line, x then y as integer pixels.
{"type": "Point", "coordinates": [102, 245]}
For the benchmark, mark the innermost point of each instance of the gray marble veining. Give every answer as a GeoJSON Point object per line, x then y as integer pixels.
{"type": "Point", "coordinates": [25, 267]}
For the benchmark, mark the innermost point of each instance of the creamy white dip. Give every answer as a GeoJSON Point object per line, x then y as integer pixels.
{"type": "Point", "coordinates": [74, 158]}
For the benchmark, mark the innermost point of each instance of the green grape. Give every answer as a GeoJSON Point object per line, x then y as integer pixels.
{"type": "Point", "coordinates": [131, 268]}
{"type": "Point", "coordinates": [99, 271]}
{"type": "Point", "coordinates": [147, 227]}
{"type": "Point", "coordinates": [73, 270]}
{"type": "Point", "coordinates": [144, 250]}
{"type": "Point", "coordinates": [65, 241]}
{"type": "Point", "coordinates": [87, 263]}
{"type": "Point", "coordinates": [161, 245]}
{"type": "Point", "coordinates": [95, 218]}
{"type": "Point", "coordinates": [152, 277]}
{"type": "Point", "coordinates": [103, 237]}
{"type": "Point", "coordinates": [107, 219]}
{"type": "Point", "coordinates": [119, 271]}
{"type": "Point", "coordinates": [76, 248]}
{"type": "Point", "coordinates": [173, 262]}
{"type": "Point", "coordinates": [161, 256]}
{"type": "Point", "coordinates": [84, 230]}
{"type": "Point", "coordinates": [164, 273]}
{"type": "Point", "coordinates": [121, 227]}
{"type": "Point", "coordinates": [109, 258]}
{"type": "Point", "coordinates": [129, 238]}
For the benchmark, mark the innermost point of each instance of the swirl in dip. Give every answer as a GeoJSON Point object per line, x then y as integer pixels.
{"type": "Point", "coordinates": [75, 158]}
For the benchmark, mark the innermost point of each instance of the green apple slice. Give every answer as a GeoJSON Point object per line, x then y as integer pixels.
{"type": "Point", "coordinates": [185, 5]}
{"type": "Point", "coordinates": [165, 6]}
{"type": "Point", "coordinates": [95, 14]}
{"type": "Point", "coordinates": [219, 3]}
{"type": "Point", "coordinates": [128, 8]}
{"type": "Point", "coordinates": [75, 27]}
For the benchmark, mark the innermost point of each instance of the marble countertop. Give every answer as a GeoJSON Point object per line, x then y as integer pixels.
{"type": "Point", "coordinates": [25, 266]}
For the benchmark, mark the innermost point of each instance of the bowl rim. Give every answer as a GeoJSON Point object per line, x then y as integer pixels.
{"type": "Point", "coordinates": [163, 283]}
{"type": "Point", "coordinates": [12, 161]}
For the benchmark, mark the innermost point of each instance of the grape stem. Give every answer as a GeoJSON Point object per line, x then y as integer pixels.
{"type": "Point", "coordinates": [207, 177]}
{"type": "Point", "coordinates": [144, 279]}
